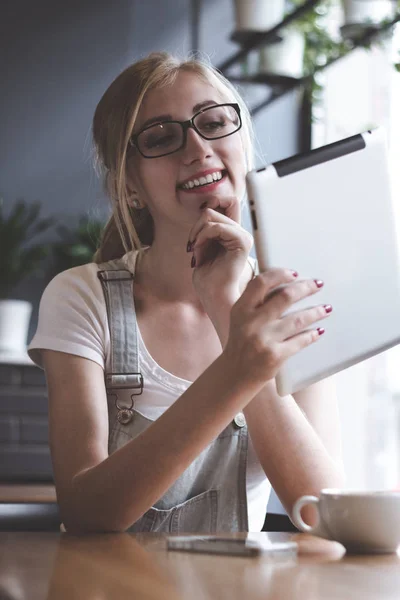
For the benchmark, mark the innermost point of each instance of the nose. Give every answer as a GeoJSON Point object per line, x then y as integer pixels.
{"type": "Point", "coordinates": [196, 148]}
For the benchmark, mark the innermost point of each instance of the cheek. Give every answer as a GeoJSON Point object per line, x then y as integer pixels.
{"type": "Point", "coordinates": [155, 180]}
{"type": "Point", "coordinates": [238, 155]}
{"type": "Point", "coordinates": [239, 169]}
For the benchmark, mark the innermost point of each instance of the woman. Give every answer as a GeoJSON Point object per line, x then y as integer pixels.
{"type": "Point", "coordinates": [147, 431]}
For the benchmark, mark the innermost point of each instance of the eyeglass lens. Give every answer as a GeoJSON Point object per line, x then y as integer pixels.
{"type": "Point", "coordinates": [212, 123]}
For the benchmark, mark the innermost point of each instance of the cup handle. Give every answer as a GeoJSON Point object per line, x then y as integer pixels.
{"type": "Point", "coordinates": [318, 529]}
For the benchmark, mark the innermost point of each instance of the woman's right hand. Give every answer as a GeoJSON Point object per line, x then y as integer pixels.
{"type": "Point", "coordinates": [260, 338]}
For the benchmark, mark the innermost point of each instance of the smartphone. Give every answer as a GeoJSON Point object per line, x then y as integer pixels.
{"type": "Point", "coordinates": [231, 546]}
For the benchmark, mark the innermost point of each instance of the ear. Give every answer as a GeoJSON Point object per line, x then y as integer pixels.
{"type": "Point", "coordinates": [133, 195]}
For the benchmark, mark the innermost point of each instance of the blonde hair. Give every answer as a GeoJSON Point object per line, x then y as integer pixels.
{"type": "Point", "coordinates": [113, 124]}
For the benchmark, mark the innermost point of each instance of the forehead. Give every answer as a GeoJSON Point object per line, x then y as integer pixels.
{"type": "Point", "coordinates": [179, 99]}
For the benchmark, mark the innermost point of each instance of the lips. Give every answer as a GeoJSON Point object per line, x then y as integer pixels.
{"type": "Point", "coordinates": [198, 179]}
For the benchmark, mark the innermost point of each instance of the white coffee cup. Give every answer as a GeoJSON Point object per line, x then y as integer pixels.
{"type": "Point", "coordinates": [363, 521]}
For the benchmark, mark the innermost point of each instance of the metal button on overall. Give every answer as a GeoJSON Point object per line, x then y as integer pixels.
{"type": "Point", "coordinates": [240, 420]}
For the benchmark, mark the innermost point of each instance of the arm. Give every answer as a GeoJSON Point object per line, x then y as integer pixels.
{"type": "Point", "coordinates": [319, 405]}
{"type": "Point", "coordinates": [296, 438]}
{"type": "Point", "coordinates": [97, 492]}
{"type": "Point", "coordinates": [299, 451]}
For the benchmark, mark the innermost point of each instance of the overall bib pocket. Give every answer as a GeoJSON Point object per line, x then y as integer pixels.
{"type": "Point", "coordinates": [198, 514]}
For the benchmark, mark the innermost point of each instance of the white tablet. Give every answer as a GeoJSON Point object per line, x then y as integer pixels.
{"type": "Point", "coordinates": [328, 214]}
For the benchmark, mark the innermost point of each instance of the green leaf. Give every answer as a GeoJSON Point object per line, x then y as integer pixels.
{"type": "Point", "coordinates": [19, 256]}
{"type": "Point", "coordinates": [76, 244]}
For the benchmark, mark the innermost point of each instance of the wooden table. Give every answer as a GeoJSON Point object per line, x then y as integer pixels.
{"type": "Point", "coordinates": [122, 566]}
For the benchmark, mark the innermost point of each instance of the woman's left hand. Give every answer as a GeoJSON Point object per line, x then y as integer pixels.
{"type": "Point", "coordinates": [220, 249]}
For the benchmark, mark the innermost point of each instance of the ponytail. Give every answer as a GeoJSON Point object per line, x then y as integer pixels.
{"type": "Point", "coordinates": [117, 241]}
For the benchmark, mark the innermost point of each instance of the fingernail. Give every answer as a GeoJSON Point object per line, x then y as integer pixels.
{"type": "Point", "coordinates": [318, 283]}
{"type": "Point", "coordinates": [295, 273]}
{"type": "Point", "coordinates": [193, 262]}
{"type": "Point", "coordinates": [203, 205]}
{"type": "Point", "coordinates": [320, 330]}
{"type": "Point", "coordinates": [189, 246]}
{"type": "Point", "coordinates": [328, 308]}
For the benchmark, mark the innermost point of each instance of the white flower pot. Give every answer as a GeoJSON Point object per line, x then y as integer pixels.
{"type": "Point", "coordinates": [14, 323]}
{"type": "Point", "coordinates": [284, 58]}
{"type": "Point", "coordinates": [258, 15]}
{"type": "Point", "coordinates": [366, 11]}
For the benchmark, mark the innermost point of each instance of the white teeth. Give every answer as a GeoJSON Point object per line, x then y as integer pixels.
{"type": "Point", "coordinates": [210, 178]}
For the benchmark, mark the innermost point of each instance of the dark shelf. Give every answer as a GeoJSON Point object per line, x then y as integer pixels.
{"type": "Point", "coordinates": [356, 36]}
{"type": "Point", "coordinates": [248, 37]}
{"type": "Point", "coordinates": [271, 79]}
{"type": "Point", "coordinates": [353, 31]}
{"type": "Point", "coordinates": [255, 39]}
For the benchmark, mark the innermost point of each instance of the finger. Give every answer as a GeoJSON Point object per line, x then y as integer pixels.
{"type": "Point", "coordinates": [216, 236]}
{"type": "Point", "coordinates": [231, 237]}
{"type": "Point", "coordinates": [208, 215]}
{"type": "Point", "coordinates": [229, 205]}
{"type": "Point", "coordinates": [260, 286]}
{"type": "Point", "coordinates": [302, 340]}
{"type": "Point", "coordinates": [283, 297]}
{"type": "Point", "coordinates": [297, 322]}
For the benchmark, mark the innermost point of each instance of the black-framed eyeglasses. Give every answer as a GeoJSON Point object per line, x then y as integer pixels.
{"type": "Point", "coordinates": [211, 123]}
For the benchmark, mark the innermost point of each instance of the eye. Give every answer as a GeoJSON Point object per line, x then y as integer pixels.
{"type": "Point", "coordinates": [162, 136]}
{"type": "Point", "coordinates": [157, 141]}
{"type": "Point", "coordinates": [214, 124]}
{"type": "Point", "coordinates": [217, 121]}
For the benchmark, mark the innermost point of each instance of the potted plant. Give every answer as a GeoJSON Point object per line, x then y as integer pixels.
{"type": "Point", "coordinates": [303, 43]}
{"type": "Point", "coordinates": [258, 15]}
{"type": "Point", "coordinates": [285, 57]}
{"type": "Point", "coordinates": [19, 258]}
{"type": "Point", "coordinates": [360, 13]}
{"type": "Point", "coordinates": [76, 244]}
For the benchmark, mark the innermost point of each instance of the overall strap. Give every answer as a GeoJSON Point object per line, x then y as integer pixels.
{"type": "Point", "coordinates": [117, 284]}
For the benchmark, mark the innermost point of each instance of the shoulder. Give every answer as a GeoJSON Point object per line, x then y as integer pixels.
{"type": "Point", "coordinates": [76, 292]}
{"type": "Point", "coordinates": [73, 316]}
{"type": "Point", "coordinates": [82, 279]}
{"type": "Point", "coordinates": [76, 296]}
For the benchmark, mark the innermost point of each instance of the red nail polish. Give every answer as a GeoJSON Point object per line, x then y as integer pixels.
{"type": "Point", "coordinates": [320, 330]}
{"type": "Point", "coordinates": [193, 262]}
{"type": "Point", "coordinates": [295, 274]}
{"type": "Point", "coordinates": [328, 308]}
{"type": "Point", "coordinates": [318, 283]}
{"type": "Point", "coordinates": [189, 247]}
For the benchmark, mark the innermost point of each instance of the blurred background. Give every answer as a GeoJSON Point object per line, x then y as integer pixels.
{"type": "Point", "coordinates": [330, 72]}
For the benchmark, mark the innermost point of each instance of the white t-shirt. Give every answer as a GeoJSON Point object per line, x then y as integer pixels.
{"type": "Point", "coordinates": [73, 319]}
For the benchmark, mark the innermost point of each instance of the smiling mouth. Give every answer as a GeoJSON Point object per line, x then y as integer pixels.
{"type": "Point", "coordinates": [203, 182]}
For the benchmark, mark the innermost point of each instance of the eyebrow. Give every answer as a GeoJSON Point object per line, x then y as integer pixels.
{"type": "Point", "coordinates": [161, 118]}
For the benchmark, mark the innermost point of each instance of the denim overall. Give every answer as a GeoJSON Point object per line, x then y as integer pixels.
{"type": "Point", "coordinates": [210, 495]}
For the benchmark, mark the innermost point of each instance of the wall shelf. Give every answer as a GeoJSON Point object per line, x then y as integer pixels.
{"type": "Point", "coordinates": [355, 37]}
{"type": "Point", "coordinates": [251, 40]}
